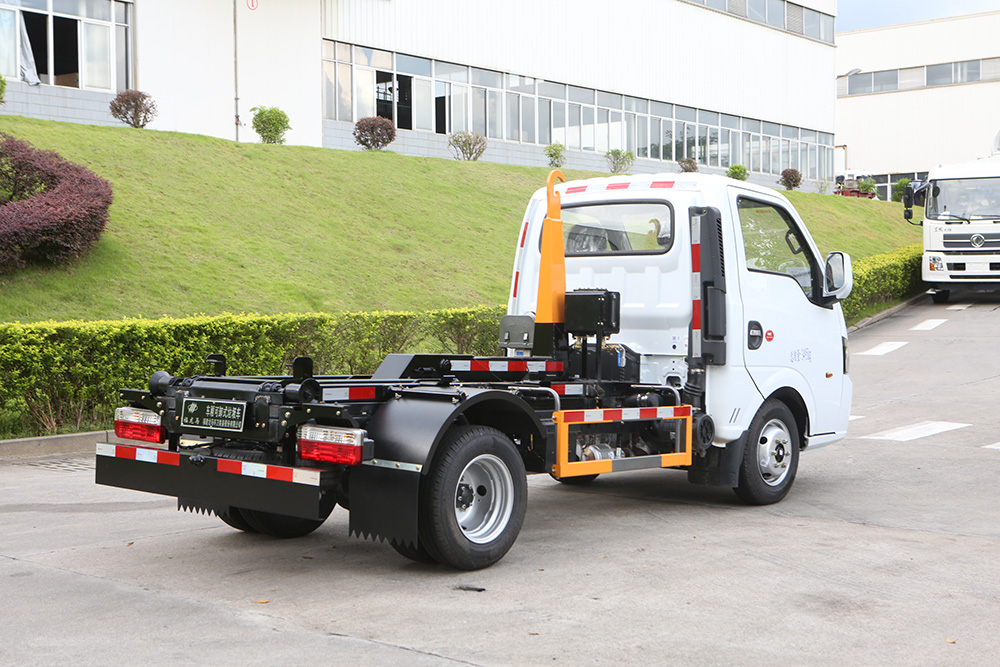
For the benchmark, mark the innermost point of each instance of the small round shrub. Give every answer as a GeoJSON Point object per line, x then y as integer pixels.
{"type": "Point", "coordinates": [467, 145]}
{"type": "Point", "coordinates": [556, 153]}
{"type": "Point", "coordinates": [619, 161]}
{"type": "Point", "coordinates": [3, 90]}
{"type": "Point", "coordinates": [791, 178]}
{"type": "Point", "coordinates": [133, 107]}
{"type": "Point", "coordinates": [738, 172]}
{"type": "Point", "coordinates": [374, 133]}
{"type": "Point", "coordinates": [867, 185]}
{"type": "Point", "coordinates": [270, 124]}
{"type": "Point", "coordinates": [51, 210]}
{"type": "Point", "coordinates": [687, 164]}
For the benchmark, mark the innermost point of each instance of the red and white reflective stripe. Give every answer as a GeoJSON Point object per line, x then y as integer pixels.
{"type": "Point", "coordinates": [623, 414]}
{"type": "Point", "coordinates": [501, 366]}
{"type": "Point", "coordinates": [349, 393]}
{"type": "Point", "coordinates": [696, 287]}
{"type": "Point", "coordinates": [307, 476]}
{"type": "Point", "coordinates": [568, 389]}
{"type": "Point", "coordinates": [146, 454]}
{"type": "Point", "coordinates": [577, 189]}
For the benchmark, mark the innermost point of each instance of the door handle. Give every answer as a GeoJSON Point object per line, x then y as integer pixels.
{"type": "Point", "coordinates": [755, 335]}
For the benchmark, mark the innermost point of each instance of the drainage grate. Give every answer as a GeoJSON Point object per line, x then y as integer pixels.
{"type": "Point", "coordinates": [64, 465]}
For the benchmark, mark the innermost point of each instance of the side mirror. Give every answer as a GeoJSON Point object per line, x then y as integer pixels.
{"type": "Point", "coordinates": [908, 199]}
{"type": "Point", "coordinates": [839, 277]}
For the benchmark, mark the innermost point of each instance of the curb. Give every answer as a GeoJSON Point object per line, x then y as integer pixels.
{"type": "Point", "coordinates": [69, 443]}
{"type": "Point", "coordinates": [889, 312]}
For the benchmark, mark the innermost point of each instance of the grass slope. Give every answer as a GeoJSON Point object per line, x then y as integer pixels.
{"type": "Point", "coordinates": [204, 225]}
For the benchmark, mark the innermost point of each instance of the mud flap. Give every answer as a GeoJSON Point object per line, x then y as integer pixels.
{"type": "Point", "coordinates": [720, 466]}
{"type": "Point", "coordinates": [384, 503]}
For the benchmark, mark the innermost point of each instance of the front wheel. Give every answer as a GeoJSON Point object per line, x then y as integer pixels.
{"type": "Point", "coordinates": [940, 296]}
{"type": "Point", "coordinates": [474, 498]}
{"type": "Point", "coordinates": [771, 456]}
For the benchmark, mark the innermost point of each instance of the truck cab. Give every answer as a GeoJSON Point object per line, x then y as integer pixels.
{"type": "Point", "coordinates": [773, 326]}
{"type": "Point", "coordinates": [961, 226]}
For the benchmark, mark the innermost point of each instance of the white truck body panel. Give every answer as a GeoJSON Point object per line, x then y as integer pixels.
{"type": "Point", "coordinates": [804, 352]}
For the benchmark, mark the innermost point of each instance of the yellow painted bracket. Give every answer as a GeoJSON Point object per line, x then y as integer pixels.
{"type": "Point", "coordinates": [566, 468]}
{"type": "Point", "coordinates": [551, 305]}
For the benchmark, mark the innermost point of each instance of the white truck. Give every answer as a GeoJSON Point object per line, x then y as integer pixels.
{"type": "Point", "coordinates": [671, 321]}
{"type": "Point", "coordinates": [961, 226]}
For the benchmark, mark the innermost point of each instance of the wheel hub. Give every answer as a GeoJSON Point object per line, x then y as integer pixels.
{"type": "Point", "coordinates": [773, 452]}
{"type": "Point", "coordinates": [484, 499]}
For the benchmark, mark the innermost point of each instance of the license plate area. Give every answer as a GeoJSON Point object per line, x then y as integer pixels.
{"type": "Point", "coordinates": [213, 414]}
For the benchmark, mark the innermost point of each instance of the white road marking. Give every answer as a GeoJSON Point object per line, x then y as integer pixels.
{"type": "Point", "coordinates": [915, 431]}
{"type": "Point", "coordinates": [927, 325]}
{"type": "Point", "coordinates": [959, 306]}
{"type": "Point", "coordinates": [995, 445]}
{"type": "Point", "coordinates": [882, 348]}
{"type": "Point", "coordinates": [853, 417]}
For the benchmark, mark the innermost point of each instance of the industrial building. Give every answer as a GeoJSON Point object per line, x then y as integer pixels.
{"type": "Point", "coordinates": [720, 81]}
{"type": "Point", "coordinates": [913, 96]}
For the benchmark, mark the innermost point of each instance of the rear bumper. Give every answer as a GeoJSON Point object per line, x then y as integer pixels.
{"type": "Point", "coordinates": [213, 482]}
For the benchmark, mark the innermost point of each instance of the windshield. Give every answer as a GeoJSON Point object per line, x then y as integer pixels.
{"type": "Point", "coordinates": [628, 228]}
{"type": "Point", "coordinates": [968, 198]}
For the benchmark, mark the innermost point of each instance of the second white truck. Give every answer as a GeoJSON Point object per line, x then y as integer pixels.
{"type": "Point", "coordinates": [961, 226]}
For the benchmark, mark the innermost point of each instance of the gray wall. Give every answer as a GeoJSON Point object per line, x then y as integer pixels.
{"type": "Point", "coordinates": [57, 103]}
{"type": "Point", "coordinates": [338, 135]}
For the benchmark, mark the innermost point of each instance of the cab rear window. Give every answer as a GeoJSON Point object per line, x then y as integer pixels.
{"type": "Point", "coordinates": [633, 228]}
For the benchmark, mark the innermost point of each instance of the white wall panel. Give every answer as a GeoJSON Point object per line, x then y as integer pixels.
{"type": "Point", "coordinates": [918, 129]}
{"type": "Point", "coordinates": [184, 59]}
{"type": "Point", "coordinates": [662, 49]}
{"type": "Point", "coordinates": [925, 43]}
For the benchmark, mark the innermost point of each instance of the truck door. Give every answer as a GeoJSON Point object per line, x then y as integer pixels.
{"type": "Point", "coordinates": [789, 337]}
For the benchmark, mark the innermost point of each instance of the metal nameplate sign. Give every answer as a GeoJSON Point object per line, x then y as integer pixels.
{"type": "Point", "coordinates": [217, 415]}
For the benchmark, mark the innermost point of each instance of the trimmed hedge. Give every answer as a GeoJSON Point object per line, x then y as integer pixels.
{"type": "Point", "coordinates": [52, 210]}
{"type": "Point", "coordinates": [60, 376]}
{"type": "Point", "coordinates": [882, 280]}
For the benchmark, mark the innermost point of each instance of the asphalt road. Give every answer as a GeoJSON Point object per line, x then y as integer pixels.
{"type": "Point", "coordinates": [886, 551]}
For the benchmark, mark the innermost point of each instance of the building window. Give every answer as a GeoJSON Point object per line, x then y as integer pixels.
{"type": "Point", "coordinates": [73, 43]}
{"type": "Point", "coordinates": [910, 78]}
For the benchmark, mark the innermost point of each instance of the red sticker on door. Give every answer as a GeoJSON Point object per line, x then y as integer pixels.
{"type": "Point", "coordinates": [769, 336]}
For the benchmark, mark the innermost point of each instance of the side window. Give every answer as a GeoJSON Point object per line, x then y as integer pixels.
{"type": "Point", "coordinates": [773, 244]}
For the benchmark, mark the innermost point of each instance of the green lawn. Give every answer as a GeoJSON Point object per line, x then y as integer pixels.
{"type": "Point", "coordinates": [205, 226]}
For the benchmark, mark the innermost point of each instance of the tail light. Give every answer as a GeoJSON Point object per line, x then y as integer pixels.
{"type": "Point", "coordinates": [138, 424]}
{"type": "Point", "coordinates": [334, 445]}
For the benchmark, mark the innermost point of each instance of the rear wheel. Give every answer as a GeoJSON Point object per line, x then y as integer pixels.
{"type": "Point", "coordinates": [771, 456]}
{"type": "Point", "coordinates": [233, 516]}
{"type": "Point", "coordinates": [414, 552]}
{"type": "Point", "coordinates": [474, 498]}
{"type": "Point", "coordinates": [281, 525]}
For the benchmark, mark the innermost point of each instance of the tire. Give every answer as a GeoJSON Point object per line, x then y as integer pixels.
{"type": "Point", "coordinates": [415, 553]}
{"type": "Point", "coordinates": [280, 525]}
{"type": "Point", "coordinates": [579, 480]}
{"type": "Point", "coordinates": [771, 455]}
{"type": "Point", "coordinates": [473, 499]}
{"type": "Point", "coordinates": [940, 296]}
{"type": "Point", "coordinates": [233, 516]}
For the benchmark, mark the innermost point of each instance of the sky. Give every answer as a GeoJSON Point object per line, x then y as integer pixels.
{"type": "Point", "coordinates": [859, 14]}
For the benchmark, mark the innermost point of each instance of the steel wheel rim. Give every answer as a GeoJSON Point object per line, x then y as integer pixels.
{"type": "Point", "coordinates": [774, 453]}
{"type": "Point", "coordinates": [484, 499]}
